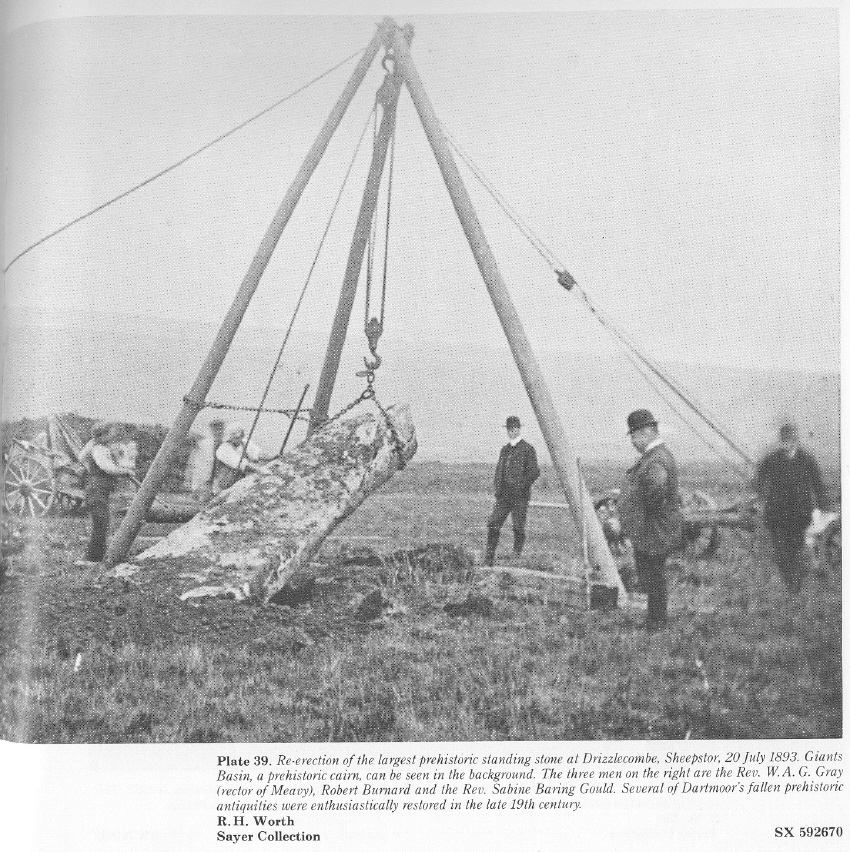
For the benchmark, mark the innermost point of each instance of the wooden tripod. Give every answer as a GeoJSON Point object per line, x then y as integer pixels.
{"type": "Point", "coordinates": [397, 40]}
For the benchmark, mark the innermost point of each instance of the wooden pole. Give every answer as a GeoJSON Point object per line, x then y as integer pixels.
{"type": "Point", "coordinates": [563, 456]}
{"type": "Point", "coordinates": [294, 418]}
{"type": "Point", "coordinates": [336, 342]}
{"type": "Point", "coordinates": [119, 546]}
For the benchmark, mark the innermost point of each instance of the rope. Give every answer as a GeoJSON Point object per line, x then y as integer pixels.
{"type": "Point", "coordinates": [307, 281]}
{"type": "Point", "coordinates": [387, 229]}
{"type": "Point", "coordinates": [743, 474]}
{"type": "Point", "coordinates": [180, 162]}
{"type": "Point", "coordinates": [631, 348]}
{"type": "Point", "coordinates": [507, 208]}
{"type": "Point", "coordinates": [373, 235]}
{"type": "Point", "coordinates": [373, 238]}
{"type": "Point", "coordinates": [692, 405]}
{"type": "Point", "coordinates": [569, 283]}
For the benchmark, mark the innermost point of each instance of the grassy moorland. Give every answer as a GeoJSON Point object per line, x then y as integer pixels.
{"type": "Point", "coordinates": [88, 659]}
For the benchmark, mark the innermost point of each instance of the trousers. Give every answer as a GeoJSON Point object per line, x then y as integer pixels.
{"type": "Point", "coordinates": [517, 507]}
{"type": "Point", "coordinates": [650, 571]}
{"type": "Point", "coordinates": [99, 511]}
{"type": "Point", "coordinates": [790, 554]}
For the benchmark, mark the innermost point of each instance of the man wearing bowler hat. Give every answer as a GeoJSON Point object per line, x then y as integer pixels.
{"type": "Point", "coordinates": [650, 513]}
{"type": "Point", "coordinates": [516, 472]}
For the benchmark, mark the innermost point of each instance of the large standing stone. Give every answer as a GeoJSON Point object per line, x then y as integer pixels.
{"type": "Point", "coordinates": [252, 537]}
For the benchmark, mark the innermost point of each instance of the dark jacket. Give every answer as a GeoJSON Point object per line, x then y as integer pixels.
{"type": "Point", "coordinates": [791, 488]}
{"type": "Point", "coordinates": [516, 470]}
{"type": "Point", "coordinates": [649, 503]}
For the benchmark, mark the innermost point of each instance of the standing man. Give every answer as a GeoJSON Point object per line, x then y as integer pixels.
{"type": "Point", "coordinates": [789, 482]}
{"type": "Point", "coordinates": [200, 467]}
{"type": "Point", "coordinates": [233, 458]}
{"type": "Point", "coordinates": [102, 473]}
{"type": "Point", "coordinates": [650, 513]}
{"type": "Point", "coordinates": [516, 472]}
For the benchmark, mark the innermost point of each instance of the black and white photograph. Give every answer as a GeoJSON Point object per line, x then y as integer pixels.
{"type": "Point", "coordinates": [427, 383]}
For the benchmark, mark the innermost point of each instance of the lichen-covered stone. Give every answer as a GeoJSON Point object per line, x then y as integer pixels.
{"type": "Point", "coordinates": [270, 523]}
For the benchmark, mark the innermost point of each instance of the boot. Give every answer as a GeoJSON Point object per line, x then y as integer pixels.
{"type": "Point", "coordinates": [519, 541]}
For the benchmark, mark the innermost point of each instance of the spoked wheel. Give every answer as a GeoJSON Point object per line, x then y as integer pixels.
{"type": "Point", "coordinates": [28, 486]}
{"type": "Point", "coordinates": [609, 520]}
{"type": "Point", "coordinates": [832, 544]}
{"type": "Point", "coordinates": [701, 540]}
{"type": "Point", "coordinates": [621, 548]}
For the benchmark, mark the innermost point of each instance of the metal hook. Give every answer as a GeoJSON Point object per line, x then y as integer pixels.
{"type": "Point", "coordinates": [374, 329]}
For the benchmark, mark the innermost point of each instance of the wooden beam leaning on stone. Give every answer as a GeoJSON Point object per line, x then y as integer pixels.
{"type": "Point", "coordinates": [252, 537]}
{"type": "Point", "coordinates": [565, 587]}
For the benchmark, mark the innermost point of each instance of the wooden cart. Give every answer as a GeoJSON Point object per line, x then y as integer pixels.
{"type": "Point", "coordinates": [44, 473]}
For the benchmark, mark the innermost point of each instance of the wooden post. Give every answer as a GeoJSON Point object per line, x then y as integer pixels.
{"type": "Point", "coordinates": [585, 551]}
{"type": "Point", "coordinates": [294, 418]}
{"type": "Point", "coordinates": [336, 342]}
{"type": "Point", "coordinates": [563, 456]}
{"type": "Point", "coordinates": [119, 546]}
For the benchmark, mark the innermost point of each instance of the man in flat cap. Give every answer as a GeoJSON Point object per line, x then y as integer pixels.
{"type": "Point", "coordinates": [790, 483]}
{"type": "Point", "coordinates": [516, 472]}
{"type": "Point", "coordinates": [650, 513]}
{"type": "Point", "coordinates": [102, 475]}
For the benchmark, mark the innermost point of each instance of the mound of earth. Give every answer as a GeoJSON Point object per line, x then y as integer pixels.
{"type": "Point", "coordinates": [48, 602]}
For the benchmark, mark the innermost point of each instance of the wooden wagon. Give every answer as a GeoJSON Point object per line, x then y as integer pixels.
{"type": "Point", "coordinates": [703, 520]}
{"type": "Point", "coordinates": [45, 473]}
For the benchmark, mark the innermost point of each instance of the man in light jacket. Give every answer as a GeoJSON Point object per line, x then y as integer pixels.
{"type": "Point", "coordinates": [233, 458]}
{"type": "Point", "coordinates": [102, 474]}
{"type": "Point", "coordinates": [200, 467]}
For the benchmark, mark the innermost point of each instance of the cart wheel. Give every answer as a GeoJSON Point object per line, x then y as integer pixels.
{"type": "Point", "coordinates": [701, 540]}
{"type": "Point", "coordinates": [28, 486]}
{"type": "Point", "coordinates": [609, 520]}
{"type": "Point", "coordinates": [832, 544]}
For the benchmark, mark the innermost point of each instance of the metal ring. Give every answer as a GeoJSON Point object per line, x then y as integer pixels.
{"type": "Point", "coordinates": [193, 403]}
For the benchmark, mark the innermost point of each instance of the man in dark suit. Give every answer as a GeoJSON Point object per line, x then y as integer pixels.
{"type": "Point", "coordinates": [650, 512]}
{"type": "Point", "coordinates": [516, 472]}
{"type": "Point", "coordinates": [791, 485]}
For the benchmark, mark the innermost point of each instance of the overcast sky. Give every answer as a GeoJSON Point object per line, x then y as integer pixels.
{"type": "Point", "coordinates": [682, 164]}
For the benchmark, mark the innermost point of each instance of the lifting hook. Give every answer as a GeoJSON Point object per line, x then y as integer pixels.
{"type": "Point", "coordinates": [374, 329]}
